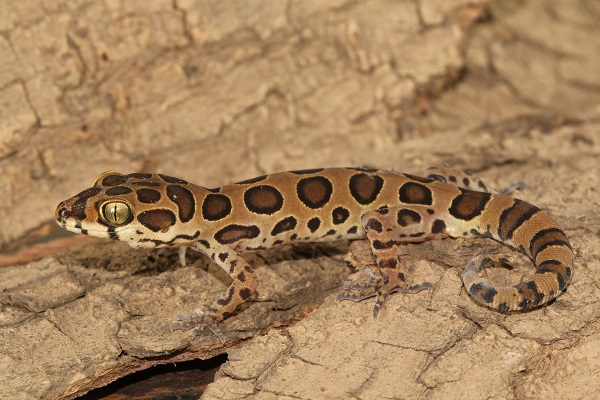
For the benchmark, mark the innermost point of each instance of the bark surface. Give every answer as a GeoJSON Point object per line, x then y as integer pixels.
{"type": "Point", "coordinates": [216, 92]}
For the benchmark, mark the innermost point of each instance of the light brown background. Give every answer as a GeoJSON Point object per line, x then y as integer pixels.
{"type": "Point", "coordinates": [214, 92]}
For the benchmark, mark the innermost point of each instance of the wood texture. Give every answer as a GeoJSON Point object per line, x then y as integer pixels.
{"type": "Point", "coordinates": [216, 92]}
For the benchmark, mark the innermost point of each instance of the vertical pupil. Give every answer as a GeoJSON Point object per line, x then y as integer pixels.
{"type": "Point", "coordinates": [115, 212]}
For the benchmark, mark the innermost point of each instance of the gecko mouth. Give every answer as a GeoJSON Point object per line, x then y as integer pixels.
{"type": "Point", "coordinates": [106, 232]}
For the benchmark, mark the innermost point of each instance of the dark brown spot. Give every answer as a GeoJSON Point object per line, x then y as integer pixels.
{"type": "Point", "coordinates": [466, 181]}
{"type": "Point", "coordinates": [78, 208]}
{"type": "Point", "coordinates": [379, 245]}
{"type": "Point", "coordinates": [189, 238]}
{"type": "Point", "coordinates": [263, 199]}
{"type": "Point", "coordinates": [87, 193]}
{"type": "Point", "coordinates": [145, 183]}
{"type": "Point", "coordinates": [112, 234]}
{"type": "Point", "coordinates": [340, 215]}
{"type": "Point", "coordinates": [408, 217]}
{"type": "Point", "coordinates": [140, 175]}
{"type": "Point", "coordinates": [114, 180]}
{"type": "Point", "coordinates": [363, 169]}
{"type": "Point", "coordinates": [314, 192]}
{"type": "Point", "coordinates": [545, 238]}
{"type": "Point", "coordinates": [365, 187]}
{"type": "Point", "coordinates": [245, 293]}
{"type": "Point", "coordinates": [532, 296]}
{"type": "Point", "coordinates": [157, 220]}
{"type": "Point", "coordinates": [228, 298]}
{"type": "Point", "coordinates": [170, 179]}
{"type": "Point", "coordinates": [388, 263]}
{"type": "Point", "coordinates": [483, 292]}
{"type": "Point", "coordinates": [313, 224]}
{"type": "Point", "coordinates": [232, 265]}
{"type": "Point", "coordinates": [468, 204]}
{"type": "Point", "coordinates": [241, 276]}
{"type": "Point", "coordinates": [257, 248]}
{"type": "Point", "coordinates": [149, 196]}
{"type": "Point", "coordinates": [373, 224]}
{"type": "Point", "coordinates": [253, 180]}
{"type": "Point", "coordinates": [415, 193]}
{"type": "Point", "coordinates": [285, 224]}
{"type": "Point", "coordinates": [216, 207]}
{"type": "Point", "coordinates": [438, 226]}
{"type": "Point", "coordinates": [184, 200]}
{"type": "Point", "coordinates": [118, 190]}
{"type": "Point", "coordinates": [561, 271]}
{"type": "Point", "coordinates": [223, 256]}
{"type": "Point", "coordinates": [233, 233]}
{"type": "Point", "coordinates": [515, 216]}
{"type": "Point", "coordinates": [436, 177]}
{"type": "Point", "coordinates": [418, 178]}
{"type": "Point", "coordinates": [353, 230]}
{"type": "Point", "coordinates": [307, 171]}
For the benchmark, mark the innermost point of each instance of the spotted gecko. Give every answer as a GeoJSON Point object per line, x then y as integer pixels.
{"type": "Point", "coordinates": [316, 205]}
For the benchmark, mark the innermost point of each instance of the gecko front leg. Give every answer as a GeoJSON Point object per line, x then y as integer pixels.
{"type": "Point", "coordinates": [239, 291]}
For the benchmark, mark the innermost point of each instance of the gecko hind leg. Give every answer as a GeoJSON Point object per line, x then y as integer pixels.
{"type": "Point", "coordinates": [385, 228]}
{"type": "Point", "coordinates": [379, 287]}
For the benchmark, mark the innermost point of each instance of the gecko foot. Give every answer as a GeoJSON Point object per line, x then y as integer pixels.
{"type": "Point", "coordinates": [357, 291]}
{"type": "Point", "coordinates": [198, 322]}
{"type": "Point", "coordinates": [371, 280]}
{"type": "Point", "coordinates": [515, 186]}
{"type": "Point", "coordinates": [361, 290]}
{"type": "Point", "coordinates": [386, 290]}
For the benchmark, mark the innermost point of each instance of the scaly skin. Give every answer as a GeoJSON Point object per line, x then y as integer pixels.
{"type": "Point", "coordinates": [386, 207]}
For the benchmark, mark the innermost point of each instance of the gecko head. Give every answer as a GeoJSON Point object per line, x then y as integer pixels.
{"type": "Point", "coordinates": [144, 210]}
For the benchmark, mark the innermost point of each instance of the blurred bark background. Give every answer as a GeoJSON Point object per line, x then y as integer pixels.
{"type": "Point", "coordinates": [218, 91]}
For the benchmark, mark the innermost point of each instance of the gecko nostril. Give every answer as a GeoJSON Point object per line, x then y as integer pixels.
{"type": "Point", "coordinates": [62, 213]}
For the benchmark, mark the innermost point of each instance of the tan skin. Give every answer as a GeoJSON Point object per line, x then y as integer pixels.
{"type": "Point", "coordinates": [386, 207]}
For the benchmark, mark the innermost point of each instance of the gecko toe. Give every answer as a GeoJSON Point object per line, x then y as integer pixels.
{"type": "Point", "coordinates": [199, 323]}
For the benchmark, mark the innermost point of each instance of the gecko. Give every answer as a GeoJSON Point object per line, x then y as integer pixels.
{"type": "Point", "coordinates": [387, 208]}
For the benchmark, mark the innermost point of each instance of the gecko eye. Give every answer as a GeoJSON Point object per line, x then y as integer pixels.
{"type": "Point", "coordinates": [116, 213]}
